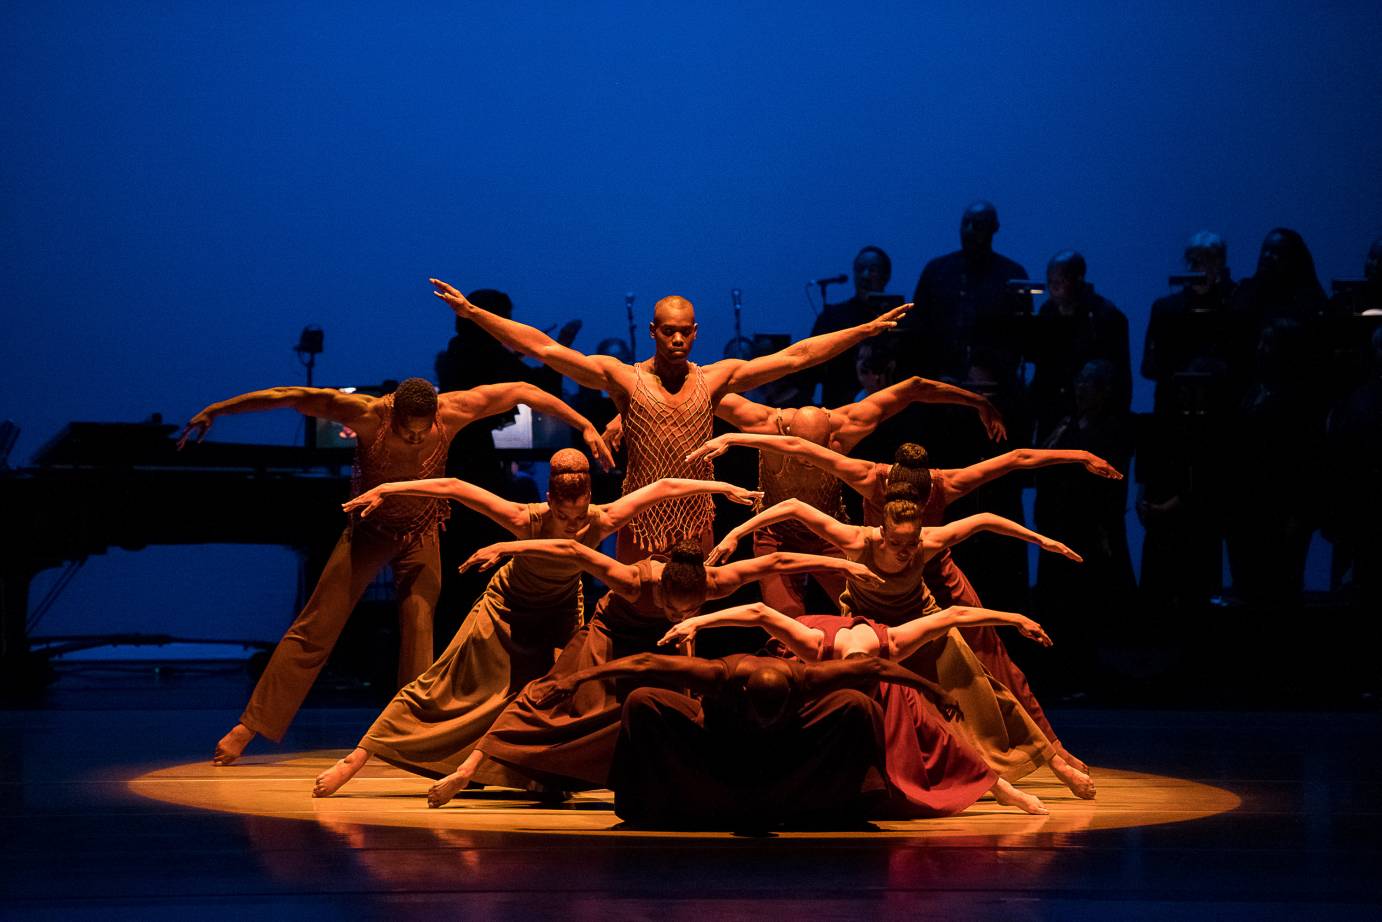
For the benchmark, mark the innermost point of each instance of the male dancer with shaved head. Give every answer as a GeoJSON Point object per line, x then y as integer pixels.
{"type": "Point", "coordinates": [666, 401]}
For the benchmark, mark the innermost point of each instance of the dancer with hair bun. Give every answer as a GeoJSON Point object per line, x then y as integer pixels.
{"type": "Point", "coordinates": [526, 613]}
{"type": "Point", "coordinates": [937, 488]}
{"type": "Point", "coordinates": [896, 551]}
{"type": "Point", "coordinates": [571, 746]}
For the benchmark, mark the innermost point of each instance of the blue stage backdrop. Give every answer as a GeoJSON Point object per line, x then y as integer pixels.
{"type": "Point", "coordinates": [186, 185]}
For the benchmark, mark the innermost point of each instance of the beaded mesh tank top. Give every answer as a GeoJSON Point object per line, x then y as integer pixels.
{"type": "Point", "coordinates": [659, 437]}
{"type": "Point", "coordinates": [402, 517]}
{"type": "Point", "coordinates": [903, 597]}
{"type": "Point", "coordinates": [782, 477]}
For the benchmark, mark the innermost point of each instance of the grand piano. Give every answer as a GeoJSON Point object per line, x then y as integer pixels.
{"type": "Point", "coordinates": [101, 485]}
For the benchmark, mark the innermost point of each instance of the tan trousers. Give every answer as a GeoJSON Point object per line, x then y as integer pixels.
{"type": "Point", "coordinates": [356, 560]}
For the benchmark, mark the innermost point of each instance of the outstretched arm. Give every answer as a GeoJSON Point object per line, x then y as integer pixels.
{"type": "Point", "coordinates": [512, 516]}
{"type": "Point", "coordinates": [864, 671]}
{"type": "Point", "coordinates": [906, 639]}
{"type": "Point", "coordinates": [745, 415]}
{"type": "Point", "coordinates": [939, 537]}
{"type": "Point", "coordinates": [855, 474]}
{"type": "Point", "coordinates": [845, 537]}
{"type": "Point", "coordinates": [626, 507]}
{"type": "Point", "coordinates": [597, 371]}
{"type": "Point", "coordinates": [619, 577]}
{"type": "Point", "coordinates": [862, 417]}
{"type": "Point", "coordinates": [961, 481]}
{"type": "Point", "coordinates": [320, 402]}
{"type": "Point", "coordinates": [804, 641]}
{"type": "Point", "coordinates": [723, 581]}
{"type": "Point", "coordinates": [700, 675]}
{"type": "Point", "coordinates": [733, 376]}
{"type": "Point", "coordinates": [489, 399]}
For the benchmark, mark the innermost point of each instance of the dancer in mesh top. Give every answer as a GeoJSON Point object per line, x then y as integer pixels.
{"type": "Point", "coordinates": [401, 436]}
{"type": "Point", "coordinates": [666, 401]}
{"type": "Point", "coordinates": [526, 614]}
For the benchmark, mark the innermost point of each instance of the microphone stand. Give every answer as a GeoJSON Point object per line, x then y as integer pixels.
{"type": "Point", "coordinates": [628, 309]}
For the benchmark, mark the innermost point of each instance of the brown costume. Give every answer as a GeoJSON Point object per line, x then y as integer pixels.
{"type": "Point", "coordinates": [994, 722]}
{"type": "Point", "coordinates": [570, 745]}
{"type": "Point", "coordinates": [403, 533]}
{"type": "Point", "coordinates": [529, 609]}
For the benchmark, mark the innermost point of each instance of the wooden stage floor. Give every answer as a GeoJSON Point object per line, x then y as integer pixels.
{"type": "Point", "coordinates": [109, 812]}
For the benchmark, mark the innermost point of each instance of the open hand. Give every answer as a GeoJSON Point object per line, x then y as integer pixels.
{"type": "Point", "coordinates": [711, 449]}
{"type": "Point", "coordinates": [742, 496]}
{"type": "Point", "coordinates": [597, 448]}
{"type": "Point", "coordinates": [683, 632]}
{"type": "Point", "coordinates": [1096, 465]}
{"type": "Point", "coordinates": [614, 433]}
{"type": "Point", "coordinates": [1032, 631]}
{"type": "Point", "coordinates": [889, 320]}
{"type": "Point", "coordinates": [453, 297]}
{"type": "Point", "coordinates": [198, 425]}
{"type": "Point", "coordinates": [1055, 547]}
{"type": "Point", "coordinates": [366, 502]}
{"type": "Point", "coordinates": [993, 421]}
{"type": "Point", "coordinates": [721, 552]}
{"type": "Point", "coordinates": [857, 571]}
{"type": "Point", "coordinates": [483, 559]}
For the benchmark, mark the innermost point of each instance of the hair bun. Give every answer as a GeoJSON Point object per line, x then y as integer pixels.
{"type": "Point", "coordinates": [570, 461]}
{"type": "Point", "coordinates": [902, 490]}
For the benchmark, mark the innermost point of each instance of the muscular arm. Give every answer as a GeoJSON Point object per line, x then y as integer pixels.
{"type": "Point", "coordinates": [510, 515]}
{"type": "Point", "coordinates": [700, 675]}
{"type": "Point", "coordinates": [961, 481]}
{"type": "Point", "coordinates": [939, 537]}
{"type": "Point", "coordinates": [845, 537]}
{"type": "Point", "coordinates": [723, 581]}
{"type": "Point", "coordinates": [321, 402]}
{"type": "Point", "coordinates": [863, 416]}
{"type": "Point", "coordinates": [732, 376]}
{"type": "Point", "coordinates": [621, 578]}
{"type": "Point", "coordinates": [745, 415]}
{"type": "Point", "coordinates": [597, 371]}
{"type": "Point", "coordinates": [626, 507]}
{"type": "Point", "coordinates": [804, 641]}
{"type": "Point", "coordinates": [489, 399]}
{"type": "Point", "coordinates": [855, 474]}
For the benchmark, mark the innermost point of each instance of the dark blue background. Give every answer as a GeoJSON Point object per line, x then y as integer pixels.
{"type": "Point", "coordinates": [186, 185]}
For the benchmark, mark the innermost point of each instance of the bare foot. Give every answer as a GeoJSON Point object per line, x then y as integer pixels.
{"type": "Point", "coordinates": [1075, 763]}
{"type": "Point", "coordinates": [1080, 784]}
{"type": "Point", "coordinates": [441, 793]}
{"type": "Point", "coordinates": [232, 745]}
{"type": "Point", "coordinates": [1009, 796]}
{"type": "Point", "coordinates": [331, 780]}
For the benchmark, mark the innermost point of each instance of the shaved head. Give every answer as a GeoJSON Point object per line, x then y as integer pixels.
{"type": "Point", "coordinates": [673, 306]}
{"type": "Point", "coordinates": [811, 424]}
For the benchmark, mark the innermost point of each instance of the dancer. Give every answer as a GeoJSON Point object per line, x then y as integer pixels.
{"type": "Point", "coordinates": [399, 436]}
{"type": "Point", "coordinates": [570, 747]}
{"type": "Point", "coordinates": [997, 724]}
{"type": "Point", "coordinates": [930, 771]}
{"type": "Point", "coordinates": [526, 614]}
{"type": "Point", "coordinates": [769, 742]}
{"type": "Point", "coordinates": [938, 489]}
{"type": "Point", "coordinates": [666, 401]}
{"type": "Point", "coordinates": [781, 475]}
